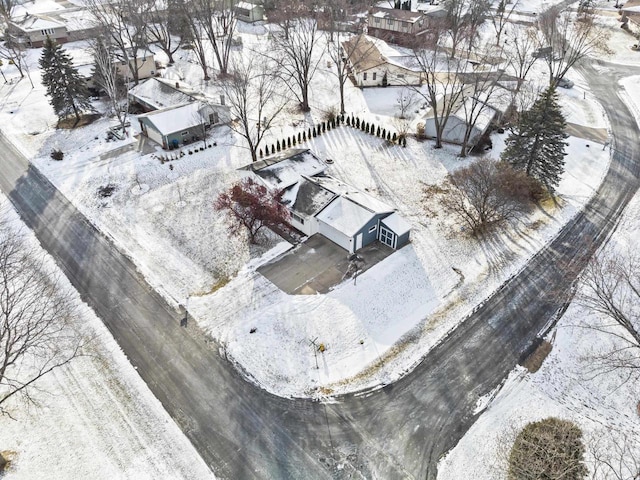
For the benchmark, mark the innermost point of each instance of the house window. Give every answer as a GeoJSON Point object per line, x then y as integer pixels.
{"type": "Point", "coordinates": [401, 75]}
{"type": "Point", "coordinates": [376, 20]}
{"type": "Point", "coordinates": [374, 75]}
{"type": "Point", "coordinates": [390, 21]}
{"type": "Point", "coordinates": [405, 26]}
{"type": "Point", "coordinates": [185, 133]}
{"type": "Point", "coordinates": [373, 228]}
{"type": "Point", "coordinates": [297, 218]}
{"type": "Point", "coordinates": [213, 118]}
{"type": "Point", "coordinates": [364, 76]}
{"type": "Point", "coordinates": [47, 31]}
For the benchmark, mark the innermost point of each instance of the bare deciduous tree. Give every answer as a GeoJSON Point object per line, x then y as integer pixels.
{"type": "Point", "coordinates": [500, 19]}
{"type": "Point", "coordinates": [255, 100]}
{"type": "Point", "coordinates": [615, 458]}
{"type": "Point", "coordinates": [486, 194]}
{"type": "Point", "coordinates": [405, 100]}
{"type": "Point", "coordinates": [443, 89]}
{"type": "Point", "coordinates": [164, 25]}
{"type": "Point", "coordinates": [124, 23]}
{"type": "Point", "coordinates": [610, 286]}
{"type": "Point", "coordinates": [107, 78]}
{"type": "Point", "coordinates": [36, 332]}
{"type": "Point", "coordinates": [346, 53]}
{"type": "Point", "coordinates": [569, 39]}
{"type": "Point", "coordinates": [216, 20]}
{"type": "Point", "coordinates": [481, 94]}
{"type": "Point", "coordinates": [297, 57]}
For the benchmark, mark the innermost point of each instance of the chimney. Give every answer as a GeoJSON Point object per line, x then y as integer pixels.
{"type": "Point", "coordinates": [221, 99]}
{"type": "Point", "coordinates": [177, 85]}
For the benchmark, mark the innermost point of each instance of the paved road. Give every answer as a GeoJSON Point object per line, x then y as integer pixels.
{"type": "Point", "coordinates": [399, 431]}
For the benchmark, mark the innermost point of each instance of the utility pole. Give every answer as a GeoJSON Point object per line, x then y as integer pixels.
{"type": "Point", "coordinates": [315, 350]}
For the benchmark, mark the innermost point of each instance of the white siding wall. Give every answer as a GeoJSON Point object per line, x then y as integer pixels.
{"type": "Point", "coordinates": [335, 236]}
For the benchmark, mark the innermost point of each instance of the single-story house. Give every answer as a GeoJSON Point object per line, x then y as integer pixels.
{"type": "Point", "coordinates": [249, 12]}
{"type": "Point", "coordinates": [483, 109]}
{"type": "Point", "coordinates": [373, 63]}
{"type": "Point", "coordinates": [182, 124]}
{"type": "Point", "coordinates": [322, 204]}
{"type": "Point", "coordinates": [31, 30]}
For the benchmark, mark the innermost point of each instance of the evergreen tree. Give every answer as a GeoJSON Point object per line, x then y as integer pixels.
{"type": "Point", "coordinates": [536, 145]}
{"type": "Point", "coordinates": [65, 87]}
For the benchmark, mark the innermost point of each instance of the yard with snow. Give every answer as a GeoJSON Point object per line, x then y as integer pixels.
{"type": "Point", "coordinates": [374, 330]}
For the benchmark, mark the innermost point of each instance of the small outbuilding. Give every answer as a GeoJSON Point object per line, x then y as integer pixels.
{"type": "Point", "coordinates": [249, 12]}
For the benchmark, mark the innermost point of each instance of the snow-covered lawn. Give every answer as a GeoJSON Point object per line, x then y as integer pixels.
{"type": "Point", "coordinates": [95, 418]}
{"type": "Point", "coordinates": [161, 214]}
{"type": "Point", "coordinates": [604, 406]}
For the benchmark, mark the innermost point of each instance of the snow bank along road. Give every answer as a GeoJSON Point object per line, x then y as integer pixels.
{"type": "Point", "coordinates": [399, 431]}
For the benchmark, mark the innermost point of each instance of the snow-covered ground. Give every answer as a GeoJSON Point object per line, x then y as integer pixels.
{"type": "Point", "coordinates": [95, 418]}
{"type": "Point", "coordinates": [161, 214]}
{"type": "Point", "coordinates": [604, 406]}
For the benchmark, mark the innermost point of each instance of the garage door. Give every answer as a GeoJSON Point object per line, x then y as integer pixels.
{"type": "Point", "coordinates": [154, 135]}
{"type": "Point", "coordinates": [334, 235]}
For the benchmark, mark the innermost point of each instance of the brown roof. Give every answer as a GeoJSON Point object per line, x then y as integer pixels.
{"type": "Point", "coordinates": [362, 52]}
{"type": "Point", "coordinates": [404, 15]}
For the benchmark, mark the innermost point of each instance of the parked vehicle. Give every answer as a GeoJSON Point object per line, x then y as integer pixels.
{"type": "Point", "coordinates": [564, 83]}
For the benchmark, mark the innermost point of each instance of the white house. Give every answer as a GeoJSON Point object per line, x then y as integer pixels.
{"type": "Point", "coordinates": [374, 63]}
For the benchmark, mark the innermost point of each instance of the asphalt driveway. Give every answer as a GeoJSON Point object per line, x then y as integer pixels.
{"type": "Point", "coordinates": [317, 265]}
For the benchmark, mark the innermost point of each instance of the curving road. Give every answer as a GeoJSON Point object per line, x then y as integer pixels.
{"type": "Point", "coordinates": [399, 431]}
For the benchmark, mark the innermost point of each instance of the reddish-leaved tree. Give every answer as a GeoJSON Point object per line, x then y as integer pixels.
{"type": "Point", "coordinates": [251, 206]}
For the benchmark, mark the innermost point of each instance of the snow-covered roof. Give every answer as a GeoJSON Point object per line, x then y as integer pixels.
{"type": "Point", "coordinates": [353, 194]}
{"type": "Point", "coordinates": [159, 93]}
{"type": "Point", "coordinates": [34, 23]}
{"type": "Point", "coordinates": [396, 223]}
{"type": "Point", "coordinates": [367, 52]}
{"type": "Point", "coordinates": [394, 13]}
{"type": "Point", "coordinates": [345, 216]}
{"type": "Point", "coordinates": [284, 170]}
{"type": "Point", "coordinates": [246, 5]}
{"type": "Point", "coordinates": [175, 119]}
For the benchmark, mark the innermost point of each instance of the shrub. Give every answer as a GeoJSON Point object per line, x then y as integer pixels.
{"type": "Point", "coordinates": [278, 145]}
{"type": "Point", "coordinates": [57, 154]}
{"type": "Point", "coordinates": [300, 137]}
{"type": "Point", "coordinates": [331, 114]}
{"type": "Point", "coordinates": [288, 142]}
{"type": "Point", "coordinates": [549, 448]}
{"type": "Point", "coordinates": [378, 132]}
{"type": "Point", "coordinates": [420, 130]}
{"type": "Point", "coordinates": [349, 121]}
{"type": "Point", "coordinates": [261, 153]}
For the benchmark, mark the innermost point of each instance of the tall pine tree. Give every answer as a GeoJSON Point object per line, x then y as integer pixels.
{"type": "Point", "coordinates": [536, 145]}
{"type": "Point", "coordinates": [65, 87]}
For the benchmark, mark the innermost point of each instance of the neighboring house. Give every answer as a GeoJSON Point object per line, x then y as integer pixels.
{"type": "Point", "coordinates": [487, 109]}
{"type": "Point", "coordinates": [249, 12]}
{"type": "Point", "coordinates": [179, 125]}
{"type": "Point", "coordinates": [631, 15]}
{"type": "Point", "coordinates": [145, 64]}
{"type": "Point", "coordinates": [31, 30]}
{"type": "Point", "coordinates": [400, 26]}
{"type": "Point", "coordinates": [158, 93]}
{"type": "Point", "coordinates": [322, 204]}
{"type": "Point", "coordinates": [373, 63]}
